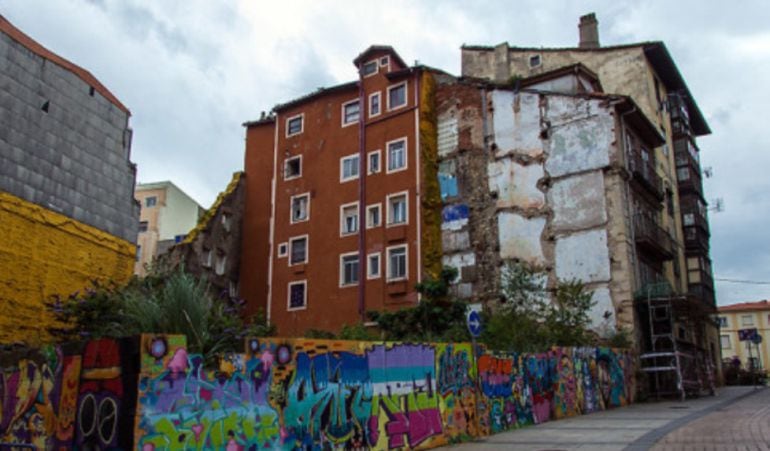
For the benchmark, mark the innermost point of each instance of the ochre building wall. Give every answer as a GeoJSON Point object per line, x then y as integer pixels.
{"type": "Point", "coordinates": [44, 253]}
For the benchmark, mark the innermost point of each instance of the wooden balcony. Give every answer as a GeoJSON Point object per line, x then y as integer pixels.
{"type": "Point", "coordinates": [696, 239]}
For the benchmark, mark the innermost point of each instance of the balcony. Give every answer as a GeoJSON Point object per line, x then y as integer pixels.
{"type": "Point", "coordinates": [680, 119]}
{"type": "Point", "coordinates": [652, 237]}
{"type": "Point", "coordinates": [696, 239]}
{"type": "Point", "coordinates": [691, 218]}
{"type": "Point", "coordinates": [644, 174]}
{"type": "Point", "coordinates": [703, 294]}
{"type": "Point", "coordinates": [689, 180]}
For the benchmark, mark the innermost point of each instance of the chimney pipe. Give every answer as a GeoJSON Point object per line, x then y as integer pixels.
{"type": "Point", "coordinates": [589, 32]}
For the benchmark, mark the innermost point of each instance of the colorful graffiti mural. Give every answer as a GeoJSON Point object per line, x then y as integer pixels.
{"type": "Point", "coordinates": [150, 394]}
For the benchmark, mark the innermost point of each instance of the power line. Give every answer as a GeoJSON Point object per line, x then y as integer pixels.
{"type": "Point", "coordinates": [750, 282]}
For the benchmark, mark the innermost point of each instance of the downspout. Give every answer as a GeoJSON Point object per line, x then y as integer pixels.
{"type": "Point", "coordinates": [419, 171]}
{"type": "Point", "coordinates": [362, 162]}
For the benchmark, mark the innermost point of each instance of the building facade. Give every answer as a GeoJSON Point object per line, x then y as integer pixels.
{"type": "Point", "coordinates": [345, 215]}
{"type": "Point", "coordinates": [212, 250]}
{"type": "Point", "coordinates": [167, 214]}
{"type": "Point", "coordinates": [67, 212]}
{"type": "Point", "coordinates": [673, 291]}
{"type": "Point", "coordinates": [745, 315]}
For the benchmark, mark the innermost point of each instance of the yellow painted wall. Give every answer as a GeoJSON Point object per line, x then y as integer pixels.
{"type": "Point", "coordinates": [736, 320]}
{"type": "Point", "coordinates": [43, 253]}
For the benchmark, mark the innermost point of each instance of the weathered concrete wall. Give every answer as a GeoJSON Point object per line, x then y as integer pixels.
{"type": "Point", "coordinates": [63, 145]}
{"type": "Point", "coordinates": [44, 253]}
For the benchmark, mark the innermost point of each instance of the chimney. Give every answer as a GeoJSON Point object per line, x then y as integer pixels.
{"type": "Point", "coordinates": [589, 32]}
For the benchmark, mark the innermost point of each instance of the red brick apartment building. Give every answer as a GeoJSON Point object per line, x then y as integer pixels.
{"type": "Point", "coordinates": [338, 203]}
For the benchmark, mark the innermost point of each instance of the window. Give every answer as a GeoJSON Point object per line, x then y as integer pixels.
{"type": "Point", "coordinates": [179, 238]}
{"type": "Point", "coordinates": [150, 201]}
{"type": "Point", "coordinates": [142, 226]}
{"type": "Point", "coordinates": [206, 258]}
{"type": "Point", "coordinates": [397, 96]}
{"type": "Point", "coordinates": [300, 208]}
{"type": "Point", "coordinates": [294, 125]}
{"type": "Point", "coordinates": [298, 250]}
{"type": "Point", "coordinates": [397, 263]}
{"type": "Point", "coordinates": [688, 219]}
{"type": "Point", "coordinates": [534, 61]}
{"type": "Point", "coordinates": [349, 168]}
{"type": "Point", "coordinates": [297, 295]}
{"type": "Point", "coordinates": [349, 219]}
{"type": "Point", "coordinates": [373, 216]}
{"type": "Point", "coordinates": [373, 266]}
{"type": "Point", "coordinates": [374, 162]}
{"type": "Point", "coordinates": [226, 222]}
{"type": "Point", "coordinates": [747, 320]}
{"type": "Point", "coordinates": [683, 174]}
{"type": "Point", "coordinates": [370, 68]}
{"type": "Point", "coordinates": [348, 269]}
{"type": "Point", "coordinates": [385, 61]}
{"type": "Point", "coordinates": [725, 341]}
{"type": "Point", "coordinates": [397, 209]}
{"type": "Point", "coordinates": [350, 113]}
{"type": "Point", "coordinates": [221, 263]}
{"type": "Point", "coordinates": [722, 321]}
{"type": "Point", "coordinates": [292, 168]}
{"type": "Point", "coordinates": [374, 104]}
{"type": "Point", "coordinates": [396, 155]}
{"type": "Point", "coordinates": [283, 250]}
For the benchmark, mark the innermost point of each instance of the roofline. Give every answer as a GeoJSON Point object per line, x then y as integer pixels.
{"type": "Point", "coordinates": [35, 47]}
{"type": "Point", "coordinates": [745, 306]}
{"type": "Point", "coordinates": [377, 48]}
{"type": "Point", "coordinates": [663, 63]}
{"type": "Point", "coordinates": [577, 68]}
{"type": "Point", "coordinates": [313, 95]}
{"type": "Point", "coordinates": [164, 184]}
{"type": "Point", "coordinates": [267, 120]}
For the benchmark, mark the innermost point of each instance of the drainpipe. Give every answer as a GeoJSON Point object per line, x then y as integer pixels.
{"type": "Point", "coordinates": [362, 162]}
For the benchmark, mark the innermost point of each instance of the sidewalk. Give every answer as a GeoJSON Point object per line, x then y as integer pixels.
{"type": "Point", "coordinates": [637, 427]}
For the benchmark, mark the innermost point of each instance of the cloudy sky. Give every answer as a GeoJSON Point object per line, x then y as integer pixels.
{"type": "Point", "coordinates": [192, 71]}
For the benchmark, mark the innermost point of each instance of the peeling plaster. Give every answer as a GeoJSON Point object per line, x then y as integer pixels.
{"type": "Point", "coordinates": [520, 238]}
{"type": "Point", "coordinates": [516, 184]}
{"type": "Point", "coordinates": [516, 123]}
{"type": "Point", "coordinates": [583, 256]}
{"type": "Point", "coordinates": [580, 146]}
{"type": "Point", "coordinates": [578, 202]}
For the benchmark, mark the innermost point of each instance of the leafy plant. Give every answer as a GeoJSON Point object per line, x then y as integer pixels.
{"type": "Point", "coordinates": [355, 332]}
{"type": "Point", "coordinates": [165, 301]}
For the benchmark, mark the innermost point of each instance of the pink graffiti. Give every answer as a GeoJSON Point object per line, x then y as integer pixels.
{"type": "Point", "coordinates": [178, 363]}
{"type": "Point", "coordinates": [417, 426]}
{"type": "Point", "coordinates": [267, 360]}
{"type": "Point", "coordinates": [541, 409]}
{"type": "Point", "coordinates": [197, 429]}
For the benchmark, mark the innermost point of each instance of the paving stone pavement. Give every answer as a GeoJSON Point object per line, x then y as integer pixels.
{"type": "Point", "coordinates": [744, 425]}
{"type": "Point", "coordinates": [740, 413]}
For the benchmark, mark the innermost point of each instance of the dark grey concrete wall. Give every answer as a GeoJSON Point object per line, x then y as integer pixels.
{"type": "Point", "coordinates": [73, 159]}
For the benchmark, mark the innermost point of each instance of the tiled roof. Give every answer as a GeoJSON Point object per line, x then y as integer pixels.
{"type": "Point", "coordinates": [745, 306]}
{"type": "Point", "coordinates": [36, 48]}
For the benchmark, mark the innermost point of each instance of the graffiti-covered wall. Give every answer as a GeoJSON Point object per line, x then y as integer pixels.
{"type": "Point", "coordinates": [285, 394]}
{"type": "Point", "coordinates": [149, 394]}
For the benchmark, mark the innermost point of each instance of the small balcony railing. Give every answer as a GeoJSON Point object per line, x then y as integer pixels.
{"type": "Point", "coordinates": [644, 173]}
{"type": "Point", "coordinates": [695, 238]}
{"type": "Point", "coordinates": [652, 237]}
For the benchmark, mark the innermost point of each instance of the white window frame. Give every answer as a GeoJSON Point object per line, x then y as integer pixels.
{"type": "Point", "coordinates": [301, 118]}
{"type": "Point", "coordinates": [386, 60]}
{"type": "Point", "coordinates": [289, 308]}
{"type": "Point", "coordinates": [286, 165]}
{"type": "Point", "coordinates": [369, 274]}
{"type": "Point", "coordinates": [344, 207]}
{"type": "Point", "coordinates": [388, 251]}
{"type": "Point", "coordinates": [405, 84]}
{"type": "Point", "coordinates": [376, 68]}
{"type": "Point", "coordinates": [342, 283]}
{"type": "Point", "coordinates": [291, 249]}
{"type": "Point", "coordinates": [722, 340]}
{"type": "Point", "coordinates": [343, 116]}
{"type": "Point", "coordinates": [750, 321]}
{"type": "Point", "coordinates": [344, 179]}
{"type": "Point", "coordinates": [307, 208]}
{"type": "Point", "coordinates": [378, 95]}
{"type": "Point", "coordinates": [283, 249]}
{"type": "Point", "coordinates": [389, 217]}
{"type": "Point", "coordinates": [147, 202]}
{"type": "Point", "coordinates": [377, 206]}
{"type": "Point", "coordinates": [387, 155]}
{"type": "Point", "coordinates": [369, 162]}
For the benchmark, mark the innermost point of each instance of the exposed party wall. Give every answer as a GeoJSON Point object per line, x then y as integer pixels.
{"type": "Point", "coordinates": [285, 394]}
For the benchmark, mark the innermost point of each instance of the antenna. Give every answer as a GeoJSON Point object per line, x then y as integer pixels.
{"type": "Point", "coordinates": [718, 205]}
{"type": "Point", "coordinates": [708, 172]}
